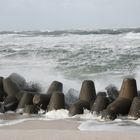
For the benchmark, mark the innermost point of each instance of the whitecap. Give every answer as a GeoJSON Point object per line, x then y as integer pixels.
{"type": "Point", "coordinates": [132, 36]}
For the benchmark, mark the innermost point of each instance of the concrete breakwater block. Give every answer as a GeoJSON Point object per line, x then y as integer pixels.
{"type": "Point", "coordinates": [135, 108]}
{"type": "Point", "coordinates": [23, 85]}
{"type": "Point", "coordinates": [112, 93]}
{"type": "Point", "coordinates": [78, 107]}
{"type": "Point", "coordinates": [27, 99]}
{"type": "Point", "coordinates": [1, 84]}
{"type": "Point", "coordinates": [86, 98]}
{"type": "Point", "coordinates": [18, 79]}
{"type": "Point", "coordinates": [138, 93]}
{"type": "Point", "coordinates": [71, 97]}
{"type": "Point", "coordinates": [101, 102]}
{"type": "Point", "coordinates": [55, 86]}
{"type": "Point", "coordinates": [122, 104]}
{"type": "Point", "coordinates": [11, 88]}
{"type": "Point", "coordinates": [88, 92]}
{"type": "Point", "coordinates": [2, 93]}
{"type": "Point", "coordinates": [57, 101]}
{"type": "Point", "coordinates": [98, 94]}
{"type": "Point", "coordinates": [30, 109]}
{"type": "Point", "coordinates": [32, 87]}
{"type": "Point", "coordinates": [41, 100]}
{"type": "Point", "coordinates": [102, 94]}
{"type": "Point", "coordinates": [10, 104]}
{"type": "Point", "coordinates": [128, 88]}
{"type": "Point", "coordinates": [119, 106]}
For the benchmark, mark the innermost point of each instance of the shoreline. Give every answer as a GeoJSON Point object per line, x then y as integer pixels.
{"type": "Point", "coordinates": [59, 124]}
{"type": "Point", "coordinates": [59, 130]}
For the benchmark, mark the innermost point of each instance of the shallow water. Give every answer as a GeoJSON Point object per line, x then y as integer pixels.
{"type": "Point", "coordinates": [87, 121]}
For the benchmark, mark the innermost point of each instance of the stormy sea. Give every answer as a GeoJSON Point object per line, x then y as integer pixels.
{"type": "Point", "coordinates": [105, 56]}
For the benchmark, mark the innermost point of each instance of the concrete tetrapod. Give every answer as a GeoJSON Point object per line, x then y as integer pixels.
{"type": "Point", "coordinates": [1, 84]}
{"type": "Point", "coordinates": [101, 102]}
{"type": "Point", "coordinates": [2, 93]}
{"type": "Point", "coordinates": [41, 100]}
{"type": "Point", "coordinates": [119, 106]}
{"type": "Point", "coordinates": [27, 99]}
{"type": "Point", "coordinates": [55, 87]}
{"type": "Point", "coordinates": [57, 101]}
{"type": "Point", "coordinates": [32, 87]}
{"type": "Point", "coordinates": [129, 88]}
{"type": "Point", "coordinates": [78, 107]}
{"type": "Point", "coordinates": [135, 108]}
{"type": "Point", "coordinates": [122, 104]}
{"type": "Point", "coordinates": [18, 79]}
{"type": "Point", "coordinates": [71, 97]}
{"type": "Point", "coordinates": [87, 92]}
{"type": "Point", "coordinates": [86, 98]}
{"type": "Point", "coordinates": [112, 93]}
{"type": "Point", "coordinates": [10, 104]}
{"type": "Point", "coordinates": [30, 109]}
{"type": "Point", "coordinates": [11, 88]}
{"type": "Point", "coordinates": [98, 94]}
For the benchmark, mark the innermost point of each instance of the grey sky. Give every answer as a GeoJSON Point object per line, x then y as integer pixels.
{"type": "Point", "coordinates": [68, 14]}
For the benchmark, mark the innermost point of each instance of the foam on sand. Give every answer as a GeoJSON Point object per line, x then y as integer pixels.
{"type": "Point", "coordinates": [119, 125]}
{"type": "Point", "coordinates": [56, 114]}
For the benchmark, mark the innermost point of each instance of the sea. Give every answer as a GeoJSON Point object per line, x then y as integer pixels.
{"type": "Point", "coordinates": [105, 56]}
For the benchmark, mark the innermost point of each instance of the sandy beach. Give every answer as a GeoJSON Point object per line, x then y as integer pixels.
{"type": "Point", "coordinates": [59, 130]}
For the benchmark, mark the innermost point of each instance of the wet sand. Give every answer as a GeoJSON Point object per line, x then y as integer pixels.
{"type": "Point", "coordinates": [59, 130]}
{"type": "Point", "coordinates": [45, 124]}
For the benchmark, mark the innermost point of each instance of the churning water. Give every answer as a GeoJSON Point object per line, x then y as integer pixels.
{"type": "Point", "coordinates": [104, 56]}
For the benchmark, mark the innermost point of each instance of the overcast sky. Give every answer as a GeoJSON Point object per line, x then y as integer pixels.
{"type": "Point", "coordinates": [68, 14]}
